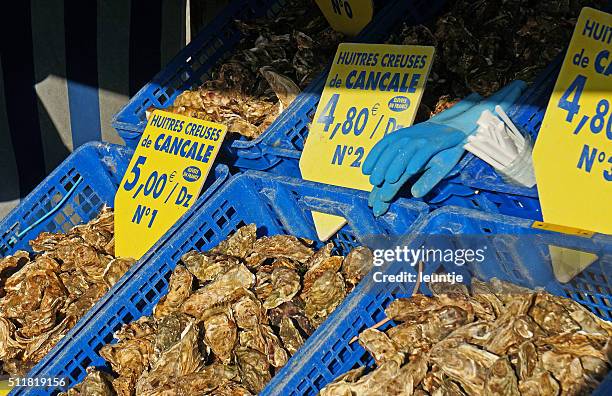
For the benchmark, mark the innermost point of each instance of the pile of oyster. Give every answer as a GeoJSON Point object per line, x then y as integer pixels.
{"type": "Point", "coordinates": [483, 45]}
{"type": "Point", "coordinates": [43, 295]}
{"type": "Point", "coordinates": [500, 339]}
{"type": "Point", "coordinates": [275, 59]}
{"type": "Point", "coordinates": [231, 319]}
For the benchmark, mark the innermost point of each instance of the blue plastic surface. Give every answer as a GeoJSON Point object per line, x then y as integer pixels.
{"type": "Point", "coordinates": [74, 193]}
{"type": "Point", "coordinates": [278, 205]}
{"type": "Point", "coordinates": [95, 168]}
{"type": "Point", "coordinates": [527, 115]}
{"type": "Point", "coordinates": [192, 65]}
{"type": "Point", "coordinates": [328, 353]}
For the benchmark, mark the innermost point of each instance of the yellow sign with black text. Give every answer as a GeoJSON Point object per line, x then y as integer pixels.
{"type": "Point", "coordinates": [347, 16]}
{"type": "Point", "coordinates": [164, 179]}
{"type": "Point", "coordinates": [372, 90]}
{"type": "Point", "coordinates": [573, 152]}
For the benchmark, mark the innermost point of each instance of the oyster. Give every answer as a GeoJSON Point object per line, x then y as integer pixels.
{"type": "Point", "coordinates": [275, 59]}
{"type": "Point", "coordinates": [341, 385]}
{"type": "Point", "coordinates": [43, 296]}
{"type": "Point", "coordinates": [380, 346]}
{"type": "Point", "coordinates": [168, 332]}
{"type": "Point", "coordinates": [373, 383]}
{"type": "Point", "coordinates": [410, 376]}
{"type": "Point", "coordinates": [501, 379]}
{"type": "Point", "coordinates": [541, 383]}
{"type": "Point", "coordinates": [332, 263]}
{"type": "Point", "coordinates": [225, 289]}
{"type": "Point", "coordinates": [463, 363]}
{"type": "Point", "coordinates": [324, 296]}
{"type": "Point", "coordinates": [285, 246]}
{"type": "Point", "coordinates": [551, 315]}
{"type": "Point", "coordinates": [285, 89]}
{"type": "Point", "coordinates": [239, 244]}
{"type": "Point", "coordinates": [450, 344]}
{"type": "Point", "coordinates": [207, 380]}
{"type": "Point", "coordinates": [220, 335]}
{"type": "Point", "coordinates": [482, 46]}
{"type": "Point", "coordinates": [182, 358]}
{"type": "Point", "coordinates": [231, 318]}
{"type": "Point", "coordinates": [179, 289]}
{"type": "Point", "coordinates": [357, 264]}
{"type": "Point", "coordinates": [254, 368]}
{"type": "Point", "coordinates": [295, 310]}
{"type": "Point", "coordinates": [419, 335]}
{"type": "Point", "coordinates": [290, 335]}
{"type": "Point", "coordinates": [248, 312]}
{"type": "Point", "coordinates": [95, 383]}
{"type": "Point", "coordinates": [285, 285]}
{"type": "Point", "coordinates": [130, 357]}
{"type": "Point", "coordinates": [207, 267]}
{"type": "Point", "coordinates": [10, 264]}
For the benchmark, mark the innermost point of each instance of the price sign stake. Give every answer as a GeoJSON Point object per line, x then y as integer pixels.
{"type": "Point", "coordinates": [163, 179]}
{"type": "Point", "coordinates": [371, 90]}
{"type": "Point", "coordinates": [573, 152]}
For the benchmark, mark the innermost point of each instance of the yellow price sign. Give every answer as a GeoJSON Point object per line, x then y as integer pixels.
{"type": "Point", "coordinates": [371, 90]}
{"type": "Point", "coordinates": [573, 153]}
{"type": "Point", "coordinates": [5, 387]}
{"type": "Point", "coordinates": [347, 16]}
{"type": "Point", "coordinates": [164, 179]}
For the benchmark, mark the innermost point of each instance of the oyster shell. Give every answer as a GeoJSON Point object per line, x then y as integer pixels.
{"type": "Point", "coordinates": [464, 363]}
{"type": "Point", "coordinates": [357, 264]}
{"type": "Point", "coordinates": [482, 46]}
{"type": "Point", "coordinates": [273, 61]}
{"type": "Point", "coordinates": [239, 244]}
{"type": "Point", "coordinates": [225, 289]}
{"type": "Point", "coordinates": [332, 263]}
{"type": "Point", "coordinates": [179, 289]}
{"type": "Point", "coordinates": [290, 335]}
{"type": "Point", "coordinates": [180, 359]}
{"type": "Point", "coordinates": [207, 267]}
{"type": "Point", "coordinates": [497, 339]}
{"type": "Point", "coordinates": [285, 246]}
{"type": "Point", "coordinates": [254, 368]}
{"type": "Point", "coordinates": [230, 330]}
{"type": "Point", "coordinates": [324, 296]}
{"type": "Point", "coordinates": [501, 379]}
{"type": "Point", "coordinates": [43, 296]}
{"type": "Point", "coordinates": [285, 285]}
{"type": "Point", "coordinates": [248, 312]}
{"type": "Point", "coordinates": [96, 383]}
{"type": "Point", "coordinates": [380, 346]}
{"type": "Point", "coordinates": [220, 335]}
{"type": "Point", "coordinates": [207, 380]}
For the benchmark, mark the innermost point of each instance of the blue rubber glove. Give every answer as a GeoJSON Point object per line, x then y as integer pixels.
{"type": "Point", "coordinates": [434, 146]}
{"type": "Point", "coordinates": [436, 169]}
{"type": "Point", "coordinates": [408, 149]}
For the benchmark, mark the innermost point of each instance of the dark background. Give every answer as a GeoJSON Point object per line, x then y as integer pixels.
{"type": "Point", "coordinates": [67, 66]}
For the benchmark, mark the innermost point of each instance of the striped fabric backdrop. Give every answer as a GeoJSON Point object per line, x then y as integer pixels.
{"type": "Point", "coordinates": [66, 67]}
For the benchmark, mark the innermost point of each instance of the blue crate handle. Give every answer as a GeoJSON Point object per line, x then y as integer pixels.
{"type": "Point", "coordinates": [15, 238]}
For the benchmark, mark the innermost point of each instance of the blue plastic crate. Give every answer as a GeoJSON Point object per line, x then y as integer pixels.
{"type": "Point", "coordinates": [193, 64]}
{"type": "Point", "coordinates": [328, 353]}
{"type": "Point", "coordinates": [278, 205]}
{"type": "Point", "coordinates": [74, 193]}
